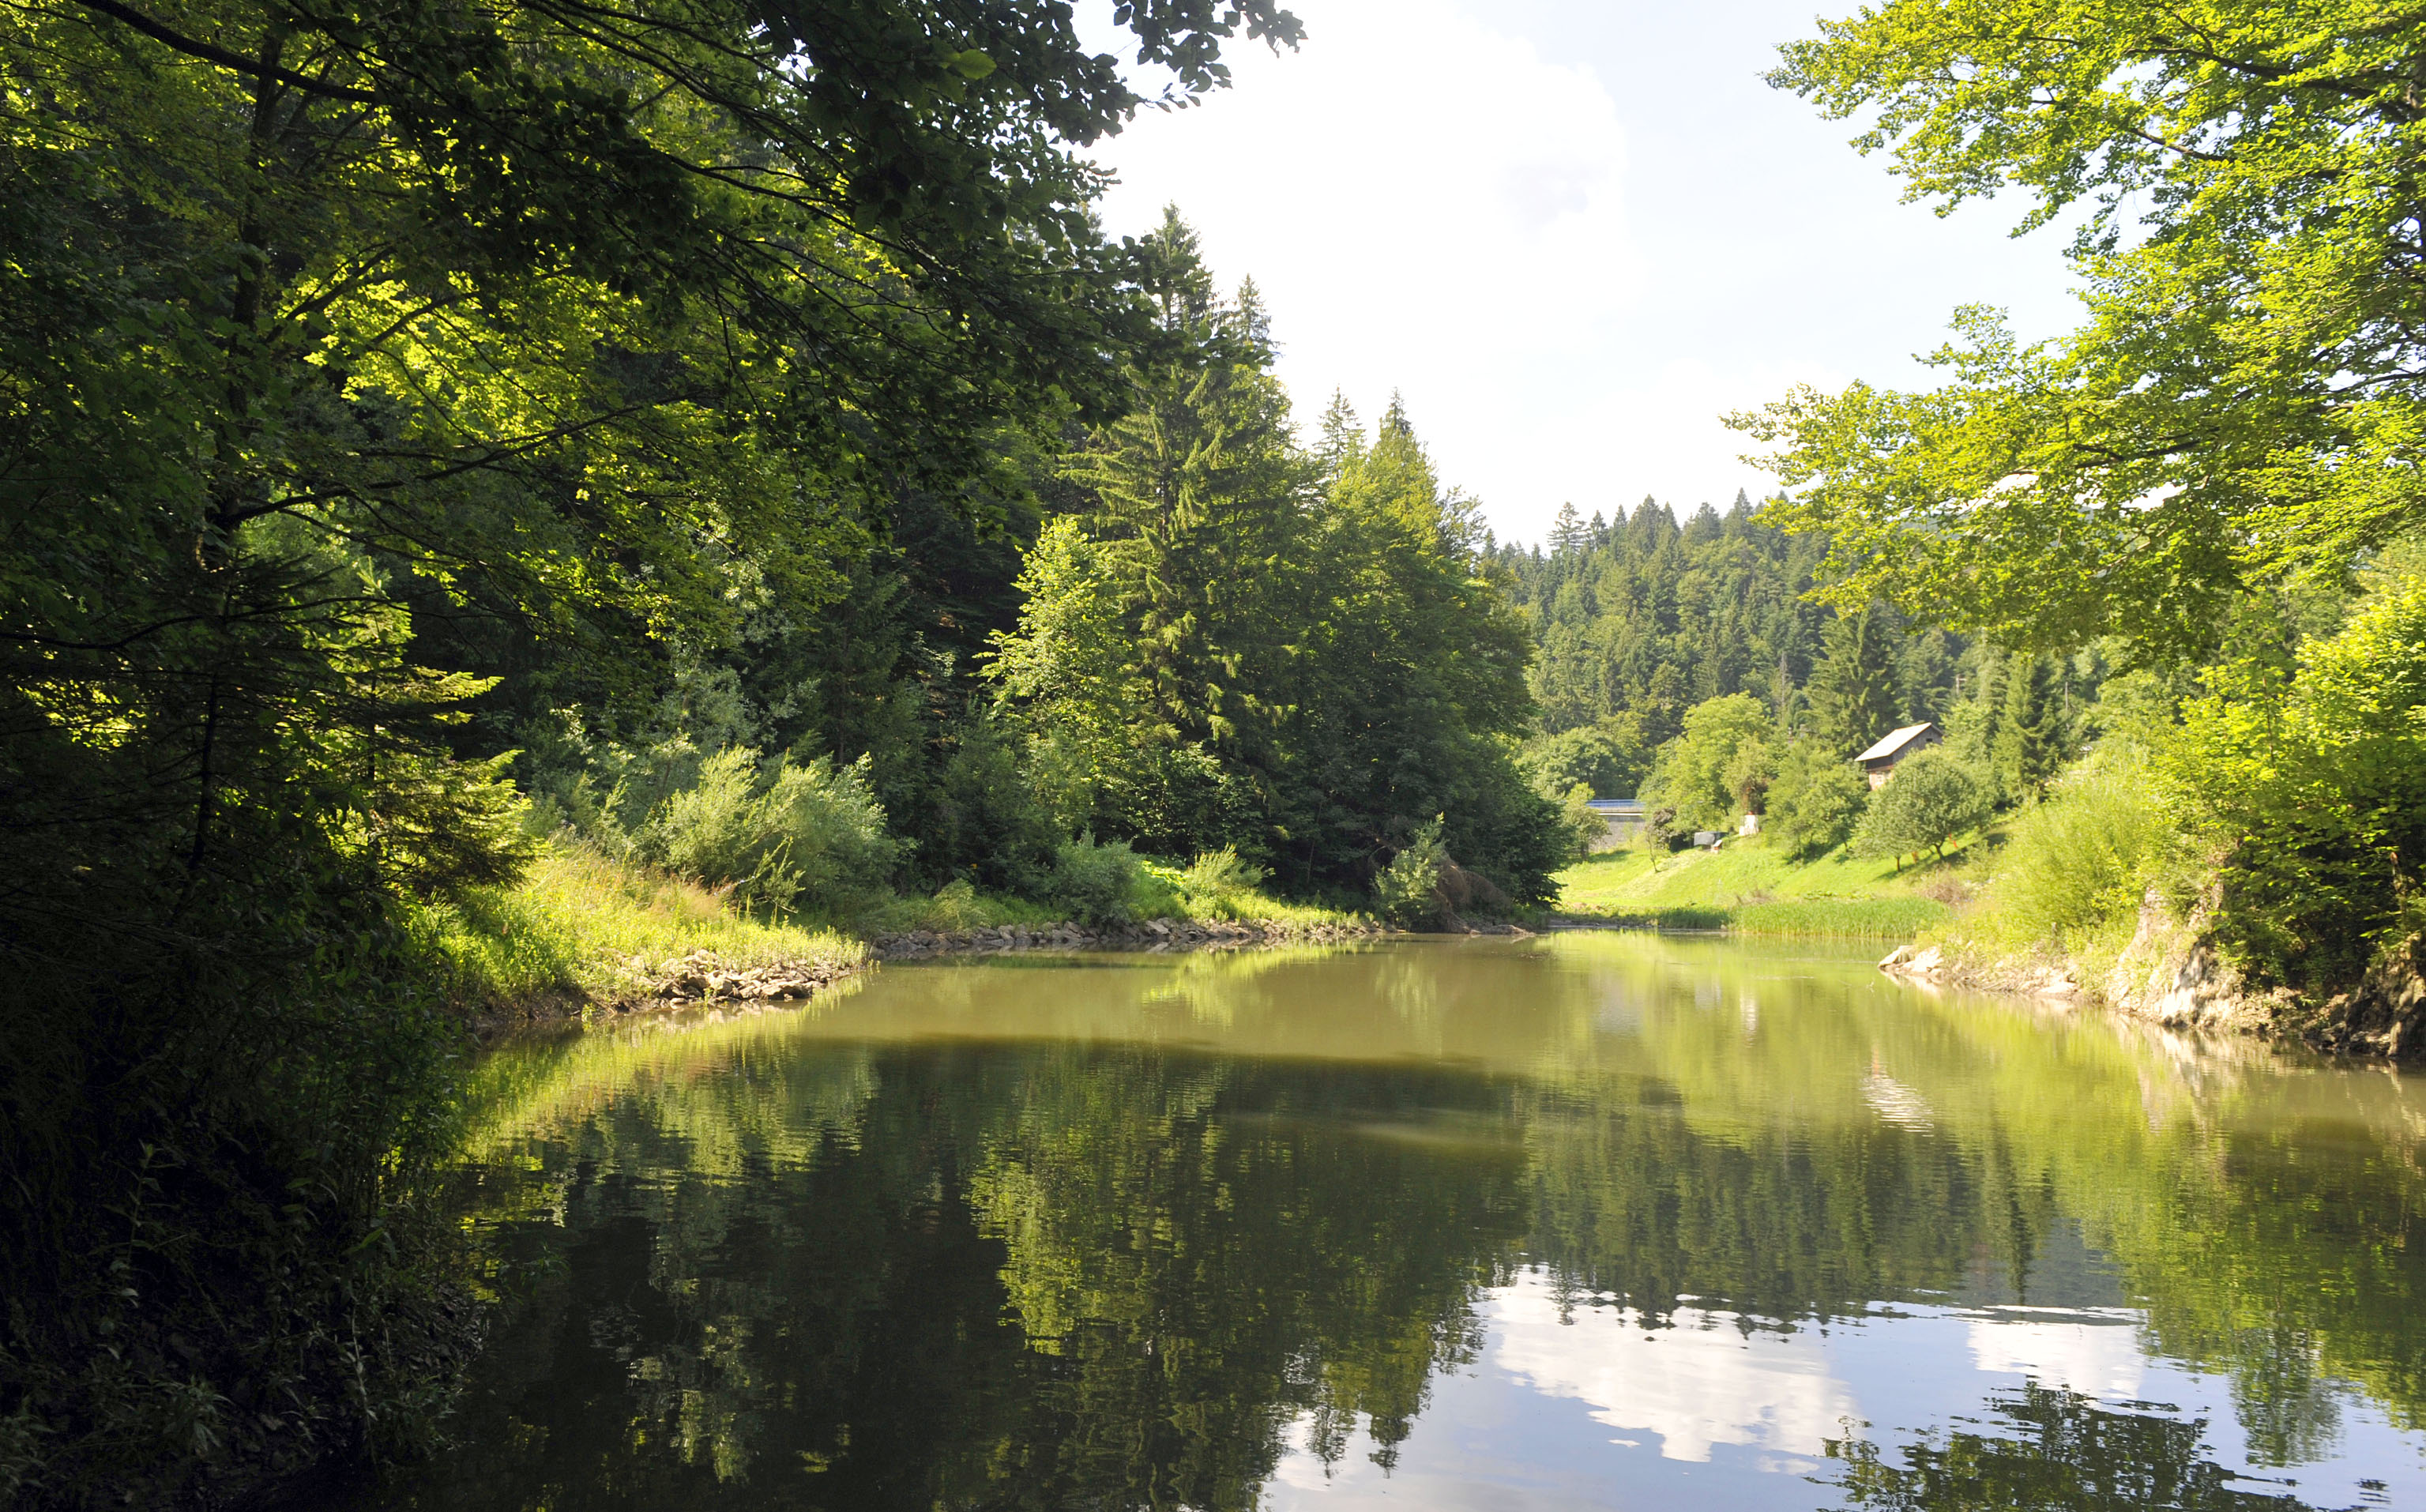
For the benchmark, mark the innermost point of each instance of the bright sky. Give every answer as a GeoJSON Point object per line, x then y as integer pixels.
{"type": "Point", "coordinates": [1572, 233]}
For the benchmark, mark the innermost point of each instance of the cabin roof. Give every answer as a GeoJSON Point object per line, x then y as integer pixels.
{"type": "Point", "coordinates": [1897, 742]}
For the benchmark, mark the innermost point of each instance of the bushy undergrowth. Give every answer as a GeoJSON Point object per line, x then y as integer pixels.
{"type": "Point", "coordinates": [1094, 883]}
{"type": "Point", "coordinates": [1407, 891]}
{"type": "Point", "coordinates": [2314, 795]}
{"type": "Point", "coordinates": [777, 837]}
{"type": "Point", "coordinates": [219, 1107]}
{"type": "Point", "coordinates": [2076, 863]}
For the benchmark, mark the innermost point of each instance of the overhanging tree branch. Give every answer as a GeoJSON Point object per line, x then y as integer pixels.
{"type": "Point", "coordinates": [196, 47]}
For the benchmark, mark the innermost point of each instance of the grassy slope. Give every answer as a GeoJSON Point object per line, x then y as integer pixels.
{"type": "Point", "coordinates": [1753, 890]}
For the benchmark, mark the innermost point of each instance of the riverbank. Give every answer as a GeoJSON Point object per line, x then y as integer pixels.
{"type": "Point", "coordinates": [584, 935]}
{"type": "Point", "coordinates": [1748, 887]}
{"type": "Point", "coordinates": [2169, 972]}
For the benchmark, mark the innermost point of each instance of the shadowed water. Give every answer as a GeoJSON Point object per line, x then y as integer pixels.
{"type": "Point", "coordinates": [1595, 1220]}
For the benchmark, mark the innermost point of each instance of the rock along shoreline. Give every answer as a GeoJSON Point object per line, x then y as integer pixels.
{"type": "Point", "coordinates": [2171, 974]}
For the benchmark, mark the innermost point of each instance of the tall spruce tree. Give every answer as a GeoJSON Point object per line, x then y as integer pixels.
{"type": "Point", "coordinates": [1855, 693]}
{"type": "Point", "coordinates": [2033, 739]}
{"type": "Point", "coordinates": [1300, 654]}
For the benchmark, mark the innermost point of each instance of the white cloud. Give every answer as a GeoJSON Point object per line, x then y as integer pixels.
{"type": "Point", "coordinates": [2095, 1355]}
{"type": "Point", "coordinates": [1699, 1384]}
{"type": "Point", "coordinates": [1426, 204]}
{"type": "Point", "coordinates": [1574, 233]}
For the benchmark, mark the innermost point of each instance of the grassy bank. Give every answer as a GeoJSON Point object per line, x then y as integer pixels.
{"type": "Point", "coordinates": [584, 928]}
{"type": "Point", "coordinates": [581, 926]}
{"type": "Point", "coordinates": [1749, 888]}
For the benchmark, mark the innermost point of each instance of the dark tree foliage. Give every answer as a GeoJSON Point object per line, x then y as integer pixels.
{"type": "Point", "coordinates": [595, 338]}
{"type": "Point", "coordinates": [1854, 694]}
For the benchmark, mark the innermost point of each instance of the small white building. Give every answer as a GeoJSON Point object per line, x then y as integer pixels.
{"type": "Point", "coordinates": [1880, 761]}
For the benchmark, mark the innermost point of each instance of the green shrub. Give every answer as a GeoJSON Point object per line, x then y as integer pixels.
{"type": "Point", "coordinates": [1930, 799]}
{"type": "Point", "coordinates": [1585, 827]}
{"type": "Point", "coordinates": [2079, 861]}
{"type": "Point", "coordinates": [786, 839]}
{"type": "Point", "coordinates": [2316, 797]}
{"type": "Point", "coordinates": [1218, 883]}
{"type": "Point", "coordinates": [1407, 891]}
{"type": "Point", "coordinates": [1816, 801]}
{"type": "Point", "coordinates": [1094, 883]}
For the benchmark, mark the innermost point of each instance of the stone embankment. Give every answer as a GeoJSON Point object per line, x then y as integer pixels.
{"type": "Point", "coordinates": [2168, 973]}
{"type": "Point", "coordinates": [1153, 935]}
{"type": "Point", "coordinates": [1931, 964]}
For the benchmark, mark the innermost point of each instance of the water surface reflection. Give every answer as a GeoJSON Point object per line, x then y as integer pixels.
{"type": "Point", "coordinates": [1602, 1220]}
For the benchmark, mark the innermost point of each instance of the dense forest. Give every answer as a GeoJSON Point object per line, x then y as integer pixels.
{"type": "Point", "coordinates": [1694, 664]}
{"type": "Point", "coordinates": [718, 440]}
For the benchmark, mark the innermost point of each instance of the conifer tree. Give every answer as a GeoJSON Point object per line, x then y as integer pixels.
{"type": "Point", "coordinates": [1855, 693]}
{"type": "Point", "coordinates": [1567, 530]}
{"type": "Point", "coordinates": [1342, 436]}
{"type": "Point", "coordinates": [2031, 739]}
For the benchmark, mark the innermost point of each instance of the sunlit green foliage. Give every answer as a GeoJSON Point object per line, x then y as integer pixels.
{"type": "Point", "coordinates": [2316, 792]}
{"type": "Point", "coordinates": [582, 922]}
{"type": "Point", "coordinates": [1238, 643]}
{"type": "Point", "coordinates": [1814, 802]}
{"type": "Point", "coordinates": [1930, 799]}
{"type": "Point", "coordinates": [1718, 768]}
{"type": "Point", "coordinates": [2243, 397]}
{"type": "Point", "coordinates": [1407, 891]}
{"type": "Point", "coordinates": [2076, 866]}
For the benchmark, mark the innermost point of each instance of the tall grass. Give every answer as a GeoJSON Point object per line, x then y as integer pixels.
{"type": "Point", "coordinates": [2075, 865]}
{"type": "Point", "coordinates": [582, 922]}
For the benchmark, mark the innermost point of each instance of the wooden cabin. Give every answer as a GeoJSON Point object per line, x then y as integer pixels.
{"type": "Point", "coordinates": [1880, 761]}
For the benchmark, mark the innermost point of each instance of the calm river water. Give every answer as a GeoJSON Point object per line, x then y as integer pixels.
{"type": "Point", "coordinates": [1594, 1220]}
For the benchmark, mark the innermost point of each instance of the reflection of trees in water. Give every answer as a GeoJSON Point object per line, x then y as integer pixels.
{"type": "Point", "coordinates": [1213, 1250]}
{"type": "Point", "coordinates": [755, 1269]}
{"type": "Point", "coordinates": [1033, 1278]}
{"type": "Point", "coordinates": [1632, 1200]}
{"type": "Point", "coordinates": [2065, 1452]}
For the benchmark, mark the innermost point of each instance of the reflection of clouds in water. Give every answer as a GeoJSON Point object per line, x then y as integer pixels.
{"type": "Point", "coordinates": [1894, 1101]}
{"type": "Point", "coordinates": [1697, 1385]}
{"type": "Point", "coordinates": [2093, 1354]}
